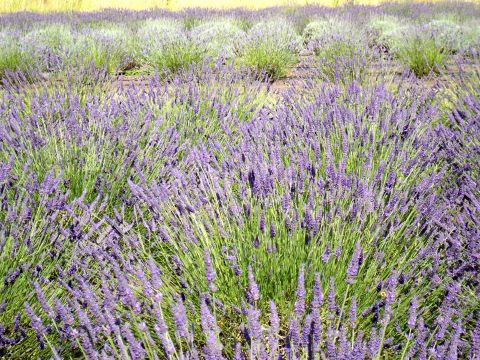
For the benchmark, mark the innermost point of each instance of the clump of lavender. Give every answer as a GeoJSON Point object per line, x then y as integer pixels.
{"type": "Point", "coordinates": [340, 222]}
{"type": "Point", "coordinates": [270, 48]}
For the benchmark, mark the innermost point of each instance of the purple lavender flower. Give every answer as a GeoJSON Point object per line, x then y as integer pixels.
{"type": "Point", "coordinates": [294, 333]}
{"type": "Point", "coordinates": [412, 319]}
{"type": "Point", "coordinates": [155, 274]}
{"type": "Point", "coordinates": [134, 346]}
{"type": "Point", "coordinates": [252, 294]}
{"type": "Point", "coordinates": [238, 352]}
{"type": "Point", "coordinates": [273, 232]}
{"type": "Point", "coordinates": [352, 270]}
{"type": "Point", "coordinates": [124, 290]}
{"type": "Point", "coordinates": [162, 333]}
{"type": "Point", "coordinates": [274, 329]}
{"type": "Point", "coordinates": [262, 222]}
{"type": "Point", "coordinates": [256, 242]}
{"type": "Point", "coordinates": [353, 312]}
{"type": "Point", "coordinates": [209, 271]}
{"type": "Point", "coordinates": [91, 300]}
{"type": "Point", "coordinates": [88, 347]}
{"type": "Point", "coordinates": [307, 330]}
{"type": "Point", "coordinates": [42, 299]}
{"type": "Point", "coordinates": [475, 347]}
{"type": "Point", "coordinates": [373, 343]}
{"type": "Point", "coordinates": [35, 321]}
{"type": "Point", "coordinates": [299, 307]}
{"type": "Point", "coordinates": [326, 253]}
{"type": "Point", "coordinates": [332, 306]}
{"type": "Point", "coordinates": [254, 326]}
{"type": "Point", "coordinates": [63, 313]}
{"type": "Point", "coordinates": [454, 342]}
{"type": "Point", "coordinates": [317, 299]}
{"type": "Point", "coordinates": [343, 345]}
{"type": "Point", "coordinates": [330, 343]}
{"type": "Point", "coordinates": [180, 317]}
{"type": "Point", "coordinates": [421, 335]}
{"type": "Point", "coordinates": [213, 348]}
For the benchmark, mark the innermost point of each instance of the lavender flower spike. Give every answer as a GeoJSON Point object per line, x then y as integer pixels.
{"type": "Point", "coordinates": [253, 294]}
{"type": "Point", "coordinates": [299, 307]}
{"type": "Point", "coordinates": [354, 265]}
{"type": "Point", "coordinates": [209, 271]}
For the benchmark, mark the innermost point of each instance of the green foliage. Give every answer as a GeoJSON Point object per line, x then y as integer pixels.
{"type": "Point", "coordinates": [104, 58]}
{"type": "Point", "coordinates": [175, 57]}
{"type": "Point", "coordinates": [164, 46]}
{"type": "Point", "coordinates": [301, 22]}
{"type": "Point", "coordinates": [270, 48]}
{"type": "Point", "coordinates": [107, 49]}
{"type": "Point", "coordinates": [278, 31]}
{"type": "Point", "coordinates": [341, 60]}
{"type": "Point", "coordinates": [470, 37]}
{"type": "Point", "coordinates": [218, 37]}
{"type": "Point", "coordinates": [13, 57]}
{"type": "Point", "coordinates": [388, 31]}
{"type": "Point", "coordinates": [422, 55]}
{"type": "Point", "coordinates": [55, 37]}
{"type": "Point", "coordinates": [269, 60]}
{"type": "Point", "coordinates": [189, 22]}
{"type": "Point", "coordinates": [448, 34]}
{"type": "Point", "coordinates": [244, 23]}
{"type": "Point", "coordinates": [321, 28]}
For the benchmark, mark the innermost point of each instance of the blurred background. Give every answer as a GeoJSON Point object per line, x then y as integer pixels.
{"type": "Point", "coordinates": [89, 5]}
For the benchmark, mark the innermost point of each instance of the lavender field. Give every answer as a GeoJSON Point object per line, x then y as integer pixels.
{"type": "Point", "coordinates": [286, 183]}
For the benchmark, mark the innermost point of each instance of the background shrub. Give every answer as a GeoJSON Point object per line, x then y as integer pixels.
{"type": "Point", "coordinates": [219, 38]}
{"type": "Point", "coordinates": [14, 56]}
{"type": "Point", "coordinates": [422, 54]}
{"type": "Point", "coordinates": [270, 48]}
{"type": "Point", "coordinates": [51, 45]}
{"type": "Point", "coordinates": [165, 46]}
{"type": "Point", "coordinates": [105, 48]}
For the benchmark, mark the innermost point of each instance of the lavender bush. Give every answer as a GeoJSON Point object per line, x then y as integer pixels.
{"type": "Point", "coordinates": [50, 45]}
{"type": "Point", "coordinates": [14, 57]}
{"type": "Point", "coordinates": [387, 30]}
{"type": "Point", "coordinates": [167, 47]}
{"type": "Point", "coordinates": [270, 48]}
{"type": "Point", "coordinates": [105, 48]}
{"type": "Point", "coordinates": [207, 215]}
{"type": "Point", "coordinates": [221, 38]}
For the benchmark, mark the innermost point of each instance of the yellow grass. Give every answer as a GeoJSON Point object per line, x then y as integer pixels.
{"type": "Point", "coordinates": [89, 5]}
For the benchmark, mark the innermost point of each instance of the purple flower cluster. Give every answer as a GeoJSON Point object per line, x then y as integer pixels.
{"type": "Point", "coordinates": [208, 217]}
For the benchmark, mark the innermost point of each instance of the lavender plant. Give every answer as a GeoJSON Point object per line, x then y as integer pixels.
{"type": "Point", "coordinates": [270, 48]}
{"type": "Point", "coordinates": [318, 29]}
{"type": "Point", "coordinates": [166, 47]}
{"type": "Point", "coordinates": [104, 48]}
{"type": "Point", "coordinates": [387, 30]}
{"type": "Point", "coordinates": [422, 54]}
{"type": "Point", "coordinates": [14, 57]}
{"type": "Point", "coordinates": [203, 216]}
{"type": "Point", "coordinates": [50, 46]}
{"type": "Point", "coordinates": [220, 38]}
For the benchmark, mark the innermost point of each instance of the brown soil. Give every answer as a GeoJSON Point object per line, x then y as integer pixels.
{"type": "Point", "coordinates": [306, 72]}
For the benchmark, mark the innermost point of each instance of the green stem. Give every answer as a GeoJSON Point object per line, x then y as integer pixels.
{"type": "Point", "coordinates": [343, 305]}
{"type": "Point", "coordinates": [406, 345]}
{"type": "Point", "coordinates": [382, 340]}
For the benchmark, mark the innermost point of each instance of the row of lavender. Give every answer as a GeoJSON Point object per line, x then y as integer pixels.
{"type": "Point", "coordinates": [197, 219]}
{"type": "Point", "coordinates": [417, 36]}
